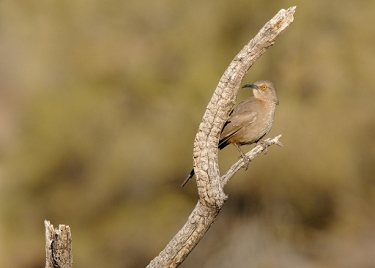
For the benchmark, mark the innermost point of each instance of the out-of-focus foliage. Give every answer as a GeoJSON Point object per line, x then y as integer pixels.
{"type": "Point", "coordinates": [99, 104]}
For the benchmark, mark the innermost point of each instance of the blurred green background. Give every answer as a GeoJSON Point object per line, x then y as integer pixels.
{"type": "Point", "coordinates": [100, 102]}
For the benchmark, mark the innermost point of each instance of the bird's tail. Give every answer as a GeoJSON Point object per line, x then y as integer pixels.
{"type": "Point", "coordinates": [191, 174]}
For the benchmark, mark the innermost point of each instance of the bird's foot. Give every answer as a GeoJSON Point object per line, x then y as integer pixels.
{"type": "Point", "coordinates": [246, 160]}
{"type": "Point", "coordinates": [265, 144]}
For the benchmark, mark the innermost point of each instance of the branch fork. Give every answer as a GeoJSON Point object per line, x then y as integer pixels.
{"type": "Point", "coordinates": [205, 154]}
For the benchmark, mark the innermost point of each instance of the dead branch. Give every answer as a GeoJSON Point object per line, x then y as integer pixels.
{"type": "Point", "coordinates": [58, 246]}
{"type": "Point", "coordinates": [205, 154]}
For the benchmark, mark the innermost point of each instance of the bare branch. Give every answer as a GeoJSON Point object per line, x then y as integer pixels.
{"type": "Point", "coordinates": [262, 146]}
{"type": "Point", "coordinates": [205, 154]}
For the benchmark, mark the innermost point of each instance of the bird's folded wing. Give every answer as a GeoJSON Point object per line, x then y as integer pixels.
{"type": "Point", "coordinates": [234, 124]}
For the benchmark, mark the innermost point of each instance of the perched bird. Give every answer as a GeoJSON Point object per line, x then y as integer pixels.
{"type": "Point", "coordinates": [250, 120]}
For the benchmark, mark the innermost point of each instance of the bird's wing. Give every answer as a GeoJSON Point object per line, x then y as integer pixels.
{"type": "Point", "coordinates": [242, 116]}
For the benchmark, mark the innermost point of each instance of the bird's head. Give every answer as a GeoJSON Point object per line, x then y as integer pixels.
{"type": "Point", "coordinates": [264, 90]}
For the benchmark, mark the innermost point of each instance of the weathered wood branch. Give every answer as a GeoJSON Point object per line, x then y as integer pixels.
{"type": "Point", "coordinates": [205, 154]}
{"type": "Point", "coordinates": [262, 146]}
{"type": "Point", "coordinates": [58, 246]}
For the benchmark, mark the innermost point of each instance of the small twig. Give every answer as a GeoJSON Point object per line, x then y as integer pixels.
{"type": "Point", "coordinates": [262, 146]}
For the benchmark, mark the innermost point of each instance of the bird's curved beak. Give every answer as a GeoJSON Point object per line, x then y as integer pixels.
{"type": "Point", "coordinates": [250, 85]}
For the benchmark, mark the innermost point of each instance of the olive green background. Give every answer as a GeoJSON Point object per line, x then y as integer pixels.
{"type": "Point", "coordinates": [100, 102]}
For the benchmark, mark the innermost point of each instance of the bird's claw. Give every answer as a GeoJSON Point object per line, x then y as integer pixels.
{"type": "Point", "coordinates": [246, 160]}
{"type": "Point", "coordinates": [265, 144]}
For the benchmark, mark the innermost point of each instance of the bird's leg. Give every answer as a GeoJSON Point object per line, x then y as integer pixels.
{"type": "Point", "coordinates": [244, 157]}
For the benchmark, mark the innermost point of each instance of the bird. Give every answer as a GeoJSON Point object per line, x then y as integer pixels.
{"type": "Point", "coordinates": [249, 121]}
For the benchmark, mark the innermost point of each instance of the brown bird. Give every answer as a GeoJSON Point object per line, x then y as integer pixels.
{"type": "Point", "coordinates": [250, 120]}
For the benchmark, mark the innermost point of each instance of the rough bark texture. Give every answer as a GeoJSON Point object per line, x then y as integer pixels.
{"type": "Point", "coordinates": [205, 154]}
{"type": "Point", "coordinates": [58, 246]}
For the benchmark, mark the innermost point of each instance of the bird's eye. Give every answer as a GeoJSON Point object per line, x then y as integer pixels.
{"type": "Point", "coordinates": [264, 87]}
